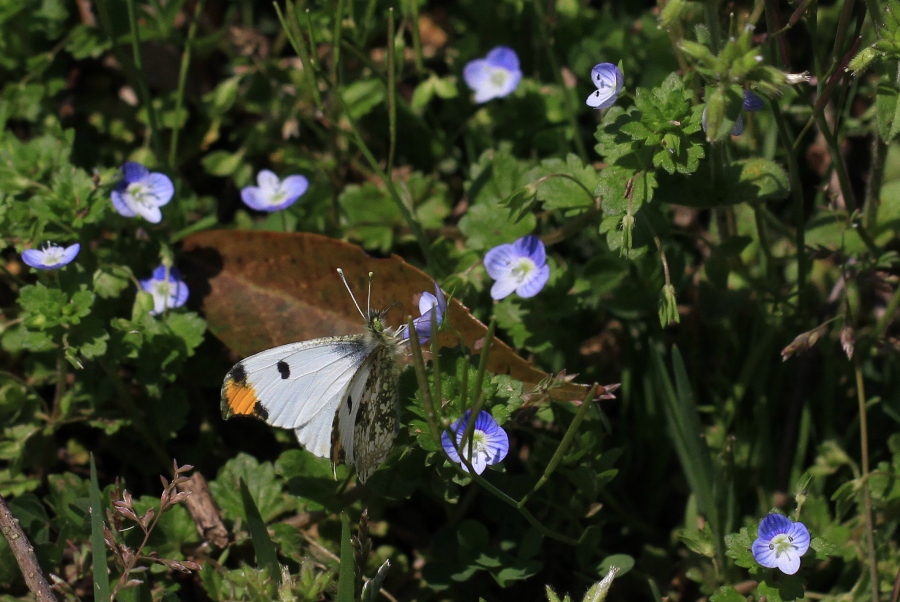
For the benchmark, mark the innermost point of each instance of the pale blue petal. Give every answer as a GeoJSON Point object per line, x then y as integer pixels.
{"type": "Point", "coordinates": [34, 258]}
{"type": "Point", "coordinates": [763, 554]}
{"type": "Point", "coordinates": [799, 535]}
{"type": "Point", "coordinates": [295, 186]}
{"type": "Point", "coordinates": [504, 57]}
{"type": "Point", "coordinates": [426, 302]}
{"type": "Point", "coordinates": [752, 102]}
{"type": "Point", "coordinates": [534, 282]}
{"type": "Point", "coordinates": [160, 187]}
{"type": "Point", "coordinates": [70, 253]}
{"type": "Point", "coordinates": [531, 247]}
{"type": "Point", "coordinates": [133, 172]}
{"type": "Point", "coordinates": [150, 213]}
{"type": "Point", "coordinates": [738, 128]}
{"type": "Point", "coordinates": [772, 525]}
{"type": "Point", "coordinates": [253, 198]}
{"type": "Point", "coordinates": [479, 462]}
{"type": "Point", "coordinates": [476, 74]}
{"type": "Point", "coordinates": [180, 296]}
{"type": "Point", "coordinates": [497, 261]}
{"type": "Point", "coordinates": [147, 285]}
{"type": "Point", "coordinates": [609, 81]}
{"type": "Point", "coordinates": [788, 563]}
{"type": "Point", "coordinates": [267, 180]}
{"type": "Point", "coordinates": [121, 204]}
{"type": "Point", "coordinates": [160, 273]}
{"type": "Point", "coordinates": [504, 287]}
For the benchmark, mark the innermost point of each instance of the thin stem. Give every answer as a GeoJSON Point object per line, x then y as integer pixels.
{"type": "Point", "coordinates": [876, 177]}
{"type": "Point", "coordinates": [60, 383]}
{"type": "Point", "coordinates": [182, 80]}
{"type": "Point", "coordinates": [799, 211]}
{"type": "Point", "coordinates": [416, 36]}
{"type": "Point", "coordinates": [23, 552]}
{"type": "Point", "coordinates": [867, 499]}
{"type": "Point", "coordinates": [141, 82]}
{"type": "Point", "coordinates": [547, 42]}
{"type": "Point", "coordinates": [419, 366]}
{"type": "Point", "coordinates": [405, 211]}
{"type": "Point", "coordinates": [762, 235]}
{"type": "Point", "coordinates": [563, 446]}
{"type": "Point", "coordinates": [467, 439]}
{"type": "Point", "coordinates": [392, 92]}
{"type": "Point", "coordinates": [291, 27]}
{"type": "Point", "coordinates": [890, 312]}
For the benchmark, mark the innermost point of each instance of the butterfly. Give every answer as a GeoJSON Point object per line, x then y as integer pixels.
{"type": "Point", "coordinates": [339, 394]}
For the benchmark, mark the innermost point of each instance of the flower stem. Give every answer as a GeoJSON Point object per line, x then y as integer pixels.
{"type": "Point", "coordinates": [478, 401]}
{"type": "Point", "coordinates": [867, 498]}
{"type": "Point", "coordinates": [547, 42]}
{"type": "Point", "coordinates": [182, 80]}
{"type": "Point", "coordinates": [563, 446]}
{"type": "Point", "coordinates": [141, 82]}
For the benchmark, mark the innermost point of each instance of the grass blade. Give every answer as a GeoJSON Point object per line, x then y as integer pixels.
{"type": "Point", "coordinates": [262, 543]}
{"type": "Point", "coordinates": [98, 542]}
{"type": "Point", "coordinates": [685, 431]}
{"type": "Point", "coordinates": [347, 570]}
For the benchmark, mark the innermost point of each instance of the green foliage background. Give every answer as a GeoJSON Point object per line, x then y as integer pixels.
{"type": "Point", "coordinates": [683, 262]}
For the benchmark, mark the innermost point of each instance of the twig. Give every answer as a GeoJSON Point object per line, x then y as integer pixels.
{"type": "Point", "coordinates": [204, 511]}
{"type": "Point", "coordinates": [24, 553]}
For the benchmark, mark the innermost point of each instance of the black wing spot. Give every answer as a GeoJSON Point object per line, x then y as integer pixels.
{"type": "Point", "coordinates": [260, 412]}
{"type": "Point", "coordinates": [238, 374]}
{"type": "Point", "coordinates": [284, 369]}
{"type": "Point", "coordinates": [349, 404]}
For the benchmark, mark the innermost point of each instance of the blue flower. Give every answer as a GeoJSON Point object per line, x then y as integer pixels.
{"type": "Point", "coordinates": [752, 104]}
{"type": "Point", "coordinates": [51, 257]}
{"type": "Point", "coordinates": [428, 304]}
{"type": "Point", "coordinates": [609, 80]}
{"type": "Point", "coordinates": [167, 289]}
{"type": "Point", "coordinates": [780, 543]}
{"type": "Point", "coordinates": [142, 193]}
{"type": "Point", "coordinates": [495, 76]}
{"type": "Point", "coordinates": [520, 267]}
{"type": "Point", "coordinates": [490, 443]}
{"type": "Point", "coordinates": [273, 194]}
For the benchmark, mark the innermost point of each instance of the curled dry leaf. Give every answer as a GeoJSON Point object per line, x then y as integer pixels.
{"type": "Point", "coordinates": [264, 289]}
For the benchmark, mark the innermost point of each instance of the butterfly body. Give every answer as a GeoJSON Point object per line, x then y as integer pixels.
{"type": "Point", "coordinates": [338, 394]}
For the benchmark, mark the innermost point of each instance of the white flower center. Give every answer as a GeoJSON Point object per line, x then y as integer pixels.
{"type": "Point", "coordinates": [479, 442]}
{"type": "Point", "coordinates": [162, 289]}
{"type": "Point", "coordinates": [277, 196]}
{"type": "Point", "coordinates": [498, 77]}
{"type": "Point", "coordinates": [521, 268]}
{"type": "Point", "coordinates": [53, 255]}
{"type": "Point", "coordinates": [782, 544]}
{"type": "Point", "coordinates": [139, 194]}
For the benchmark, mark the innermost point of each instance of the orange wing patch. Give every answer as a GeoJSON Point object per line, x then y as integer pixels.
{"type": "Point", "coordinates": [239, 397]}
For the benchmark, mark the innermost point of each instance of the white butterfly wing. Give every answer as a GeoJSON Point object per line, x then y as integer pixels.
{"type": "Point", "coordinates": [298, 386]}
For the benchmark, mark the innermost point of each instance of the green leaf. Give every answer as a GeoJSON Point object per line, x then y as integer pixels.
{"type": "Point", "coordinates": [727, 593]}
{"type": "Point", "coordinates": [741, 181]}
{"type": "Point", "coordinates": [495, 176]}
{"type": "Point", "coordinates": [738, 546]}
{"type": "Point", "coordinates": [887, 109]}
{"type": "Point", "coordinates": [561, 192]}
{"type": "Point", "coordinates": [266, 557]}
{"type": "Point", "coordinates": [187, 326]}
{"type": "Point", "coordinates": [222, 163]}
{"type": "Point", "coordinates": [347, 570]}
{"type": "Point", "coordinates": [686, 432]}
{"type": "Point", "coordinates": [98, 541]}
{"type": "Point", "coordinates": [261, 482]}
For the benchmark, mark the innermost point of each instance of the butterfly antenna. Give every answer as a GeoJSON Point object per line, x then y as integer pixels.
{"type": "Point", "coordinates": [369, 300]}
{"type": "Point", "coordinates": [341, 272]}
